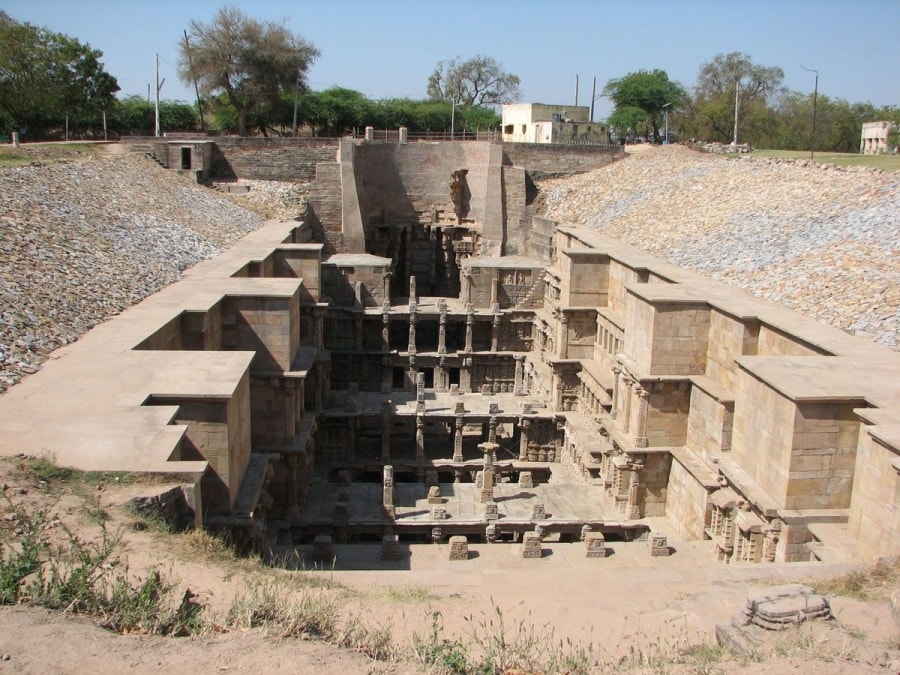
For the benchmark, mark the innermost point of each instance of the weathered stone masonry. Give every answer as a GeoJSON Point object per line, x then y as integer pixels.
{"type": "Point", "coordinates": [420, 357]}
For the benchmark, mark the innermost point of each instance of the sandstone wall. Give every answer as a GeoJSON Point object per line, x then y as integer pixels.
{"type": "Point", "coordinates": [875, 507]}
{"type": "Point", "coordinates": [686, 502]}
{"type": "Point", "coordinates": [544, 160]}
{"type": "Point", "coordinates": [287, 159]}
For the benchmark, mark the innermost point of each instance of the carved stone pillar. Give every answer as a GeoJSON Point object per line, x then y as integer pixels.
{"type": "Point", "coordinates": [385, 331]}
{"type": "Point", "coordinates": [411, 347]}
{"type": "Point", "coordinates": [357, 295]}
{"type": "Point", "coordinates": [458, 439]}
{"type": "Point", "coordinates": [420, 437]}
{"type": "Point", "coordinates": [386, 290]}
{"type": "Point", "coordinates": [465, 292]}
{"type": "Point", "coordinates": [643, 402]}
{"type": "Point", "coordinates": [387, 499]}
{"type": "Point", "coordinates": [412, 291]}
{"type": "Point", "coordinates": [518, 389]}
{"type": "Point", "coordinates": [442, 327]}
{"type": "Point", "coordinates": [420, 393]}
{"type": "Point", "coordinates": [495, 328]}
{"type": "Point", "coordinates": [386, 431]}
{"type": "Point", "coordinates": [562, 340]}
{"type": "Point", "coordinates": [626, 421]}
{"type": "Point", "coordinates": [487, 473]}
{"type": "Point", "coordinates": [465, 376]}
{"type": "Point", "coordinates": [492, 429]}
{"type": "Point", "coordinates": [524, 433]}
{"type": "Point", "coordinates": [470, 321]}
{"type": "Point", "coordinates": [633, 509]}
{"type": "Point", "coordinates": [615, 395]}
{"type": "Point", "coordinates": [440, 374]}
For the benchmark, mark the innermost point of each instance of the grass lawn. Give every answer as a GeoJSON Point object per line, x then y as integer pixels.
{"type": "Point", "coordinates": [885, 162]}
{"type": "Point", "coordinates": [45, 153]}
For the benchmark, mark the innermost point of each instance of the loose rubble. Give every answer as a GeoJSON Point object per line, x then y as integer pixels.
{"type": "Point", "coordinates": [82, 240]}
{"type": "Point", "coordinates": [815, 238]}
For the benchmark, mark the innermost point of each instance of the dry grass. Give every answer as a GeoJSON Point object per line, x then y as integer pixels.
{"type": "Point", "coordinates": [883, 162]}
{"type": "Point", "coordinates": [46, 153]}
{"type": "Point", "coordinates": [875, 583]}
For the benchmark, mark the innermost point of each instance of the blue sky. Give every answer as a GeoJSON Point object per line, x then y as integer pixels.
{"type": "Point", "coordinates": [388, 48]}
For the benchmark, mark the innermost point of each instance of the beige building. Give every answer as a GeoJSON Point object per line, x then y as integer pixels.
{"type": "Point", "coordinates": [540, 123]}
{"type": "Point", "coordinates": [874, 140]}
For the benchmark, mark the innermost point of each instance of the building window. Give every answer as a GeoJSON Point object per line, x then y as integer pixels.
{"type": "Point", "coordinates": [508, 129]}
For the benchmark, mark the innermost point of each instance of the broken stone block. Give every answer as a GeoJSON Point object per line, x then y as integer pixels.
{"type": "Point", "coordinates": [434, 495]}
{"type": "Point", "coordinates": [459, 548]}
{"type": "Point", "coordinates": [531, 545]}
{"type": "Point", "coordinates": [438, 513]}
{"type": "Point", "coordinates": [537, 511]}
{"type": "Point", "coordinates": [323, 549]}
{"type": "Point", "coordinates": [486, 495]}
{"type": "Point", "coordinates": [390, 547]}
{"type": "Point", "coordinates": [454, 391]}
{"type": "Point", "coordinates": [780, 607]}
{"type": "Point", "coordinates": [595, 545]}
{"type": "Point", "coordinates": [343, 478]}
{"type": "Point", "coordinates": [585, 531]}
{"type": "Point", "coordinates": [658, 544]}
{"type": "Point", "coordinates": [487, 390]}
{"type": "Point", "coordinates": [490, 533]}
{"type": "Point", "coordinates": [525, 479]}
{"type": "Point", "coordinates": [436, 535]}
{"type": "Point", "coordinates": [493, 408]}
{"type": "Point", "coordinates": [490, 511]}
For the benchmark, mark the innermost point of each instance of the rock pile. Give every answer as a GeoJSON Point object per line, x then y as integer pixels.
{"type": "Point", "coordinates": [817, 239]}
{"type": "Point", "coordinates": [81, 240]}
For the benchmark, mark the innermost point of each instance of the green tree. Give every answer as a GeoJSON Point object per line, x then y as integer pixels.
{"type": "Point", "coordinates": [136, 115]}
{"type": "Point", "coordinates": [646, 91]}
{"type": "Point", "coordinates": [45, 76]}
{"type": "Point", "coordinates": [758, 88]}
{"type": "Point", "coordinates": [250, 62]}
{"type": "Point", "coordinates": [480, 81]}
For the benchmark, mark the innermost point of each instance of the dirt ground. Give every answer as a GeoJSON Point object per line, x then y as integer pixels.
{"type": "Point", "coordinates": [638, 613]}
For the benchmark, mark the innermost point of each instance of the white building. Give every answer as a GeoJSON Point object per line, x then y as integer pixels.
{"type": "Point", "coordinates": [540, 123]}
{"type": "Point", "coordinates": [874, 140]}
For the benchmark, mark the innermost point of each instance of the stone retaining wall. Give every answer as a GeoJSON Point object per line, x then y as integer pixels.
{"type": "Point", "coordinates": [544, 160]}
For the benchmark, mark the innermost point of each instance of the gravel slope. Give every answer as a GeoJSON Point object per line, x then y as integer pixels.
{"type": "Point", "coordinates": [817, 239]}
{"type": "Point", "coordinates": [81, 240]}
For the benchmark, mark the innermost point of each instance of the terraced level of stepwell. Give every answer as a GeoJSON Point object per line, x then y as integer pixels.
{"type": "Point", "coordinates": [423, 358]}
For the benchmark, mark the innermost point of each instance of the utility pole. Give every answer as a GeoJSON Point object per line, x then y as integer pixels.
{"type": "Point", "coordinates": [812, 145]}
{"type": "Point", "coordinates": [159, 86]}
{"type": "Point", "coordinates": [187, 48]}
{"type": "Point", "coordinates": [576, 88]}
{"type": "Point", "coordinates": [737, 101]}
{"type": "Point", "coordinates": [666, 111]}
{"type": "Point", "coordinates": [593, 98]}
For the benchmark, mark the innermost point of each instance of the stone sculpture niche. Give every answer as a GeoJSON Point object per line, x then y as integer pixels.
{"type": "Point", "coordinates": [460, 194]}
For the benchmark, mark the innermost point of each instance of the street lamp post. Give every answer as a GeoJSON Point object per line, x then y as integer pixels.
{"type": "Point", "coordinates": [666, 111]}
{"type": "Point", "coordinates": [812, 145]}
